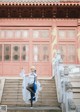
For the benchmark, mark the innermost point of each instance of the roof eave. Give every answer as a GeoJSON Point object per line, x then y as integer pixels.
{"type": "Point", "coordinates": [42, 3]}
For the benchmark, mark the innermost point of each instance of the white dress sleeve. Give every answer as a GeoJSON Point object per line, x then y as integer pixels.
{"type": "Point", "coordinates": [22, 73]}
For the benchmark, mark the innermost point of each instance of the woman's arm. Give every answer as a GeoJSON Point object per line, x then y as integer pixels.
{"type": "Point", "coordinates": [22, 73]}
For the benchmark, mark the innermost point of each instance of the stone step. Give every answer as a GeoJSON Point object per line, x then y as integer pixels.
{"type": "Point", "coordinates": [76, 95]}
{"type": "Point", "coordinates": [21, 103]}
{"type": "Point", "coordinates": [12, 93]}
{"type": "Point", "coordinates": [20, 83]}
{"type": "Point", "coordinates": [19, 91]}
{"type": "Point", "coordinates": [28, 105]}
{"type": "Point", "coordinates": [40, 97]}
{"type": "Point", "coordinates": [20, 95]}
{"type": "Point", "coordinates": [44, 89]}
{"type": "Point", "coordinates": [19, 86]}
{"type": "Point", "coordinates": [75, 84]}
{"type": "Point", "coordinates": [39, 100]}
{"type": "Point", "coordinates": [74, 78]}
{"type": "Point", "coordinates": [77, 101]}
{"type": "Point", "coordinates": [34, 109]}
{"type": "Point", "coordinates": [21, 100]}
{"type": "Point", "coordinates": [20, 80]}
{"type": "Point", "coordinates": [39, 81]}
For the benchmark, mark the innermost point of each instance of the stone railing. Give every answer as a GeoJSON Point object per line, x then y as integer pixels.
{"type": "Point", "coordinates": [70, 0]}
{"type": "Point", "coordinates": [63, 85]}
{"type": "Point", "coordinates": [2, 81]}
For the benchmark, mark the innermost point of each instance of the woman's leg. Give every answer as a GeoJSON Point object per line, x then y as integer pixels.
{"type": "Point", "coordinates": [30, 89]}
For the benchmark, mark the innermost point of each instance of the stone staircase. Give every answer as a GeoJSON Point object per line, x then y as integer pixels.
{"type": "Point", "coordinates": [12, 96]}
{"type": "Point", "coordinates": [75, 81]}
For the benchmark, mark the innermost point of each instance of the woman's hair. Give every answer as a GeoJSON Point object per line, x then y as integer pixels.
{"type": "Point", "coordinates": [35, 71]}
{"type": "Point", "coordinates": [33, 68]}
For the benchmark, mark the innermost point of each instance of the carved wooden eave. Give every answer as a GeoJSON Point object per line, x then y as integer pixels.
{"type": "Point", "coordinates": [39, 9]}
{"type": "Point", "coordinates": [39, 2]}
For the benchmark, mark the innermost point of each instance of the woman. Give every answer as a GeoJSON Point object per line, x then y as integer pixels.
{"type": "Point", "coordinates": [32, 84]}
{"type": "Point", "coordinates": [30, 93]}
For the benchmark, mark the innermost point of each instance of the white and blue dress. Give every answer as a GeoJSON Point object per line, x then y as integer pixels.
{"type": "Point", "coordinates": [29, 80]}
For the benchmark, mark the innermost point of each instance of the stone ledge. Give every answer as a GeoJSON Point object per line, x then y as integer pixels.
{"type": "Point", "coordinates": [33, 108]}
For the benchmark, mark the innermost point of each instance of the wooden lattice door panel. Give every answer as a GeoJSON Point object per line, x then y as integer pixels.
{"type": "Point", "coordinates": [25, 52]}
{"type": "Point", "coordinates": [7, 52]}
{"type": "Point", "coordinates": [68, 53]}
{"type": "Point", "coordinates": [63, 52]}
{"type": "Point", "coordinates": [41, 53]}
{"type": "Point", "coordinates": [71, 50]}
{"type": "Point", "coordinates": [41, 59]}
{"type": "Point", "coordinates": [40, 34]}
{"type": "Point", "coordinates": [67, 34]}
{"type": "Point", "coordinates": [24, 47]}
{"type": "Point", "coordinates": [67, 42]}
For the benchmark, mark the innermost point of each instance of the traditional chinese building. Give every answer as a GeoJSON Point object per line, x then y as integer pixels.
{"type": "Point", "coordinates": [32, 31]}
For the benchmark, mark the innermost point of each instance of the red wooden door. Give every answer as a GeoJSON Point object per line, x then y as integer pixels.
{"type": "Point", "coordinates": [41, 51]}
{"type": "Point", "coordinates": [24, 47]}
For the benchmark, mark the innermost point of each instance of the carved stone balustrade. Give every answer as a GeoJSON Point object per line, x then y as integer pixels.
{"type": "Point", "coordinates": [2, 80]}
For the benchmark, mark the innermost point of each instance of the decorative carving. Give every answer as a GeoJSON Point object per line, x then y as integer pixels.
{"type": "Point", "coordinates": [78, 109]}
{"type": "Point", "coordinates": [37, 12]}
{"type": "Point", "coordinates": [40, 11]}
{"type": "Point", "coordinates": [64, 86]}
{"type": "Point", "coordinates": [66, 70]}
{"type": "Point", "coordinates": [58, 57]}
{"type": "Point", "coordinates": [71, 104]}
{"type": "Point", "coordinates": [54, 32]}
{"type": "Point", "coordinates": [68, 85]}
